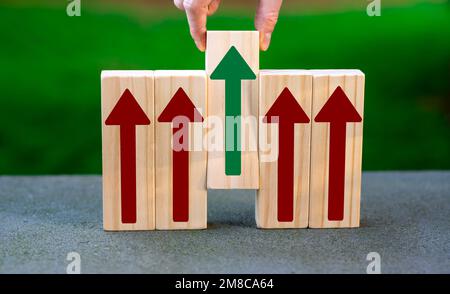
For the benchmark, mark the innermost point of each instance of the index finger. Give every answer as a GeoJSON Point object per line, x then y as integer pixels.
{"type": "Point", "coordinates": [197, 12]}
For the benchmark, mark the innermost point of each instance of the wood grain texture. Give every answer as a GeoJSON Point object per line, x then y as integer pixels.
{"type": "Point", "coordinates": [141, 85]}
{"type": "Point", "coordinates": [166, 85]}
{"type": "Point", "coordinates": [272, 83]}
{"type": "Point", "coordinates": [247, 44]}
{"type": "Point", "coordinates": [324, 84]}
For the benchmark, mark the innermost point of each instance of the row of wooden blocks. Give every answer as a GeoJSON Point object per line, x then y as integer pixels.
{"type": "Point", "coordinates": [311, 118]}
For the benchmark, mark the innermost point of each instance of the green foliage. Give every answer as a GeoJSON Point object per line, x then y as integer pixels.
{"type": "Point", "coordinates": [51, 64]}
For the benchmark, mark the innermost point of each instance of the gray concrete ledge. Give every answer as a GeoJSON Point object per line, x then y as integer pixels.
{"type": "Point", "coordinates": [405, 218]}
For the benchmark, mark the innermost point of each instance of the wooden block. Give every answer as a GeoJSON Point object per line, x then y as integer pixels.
{"type": "Point", "coordinates": [336, 148]}
{"type": "Point", "coordinates": [128, 155]}
{"type": "Point", "coordinates": [232, 65]}
{"type": "Point", "coordinates": [180, 104]}
{"type": "Point", "coordinates": [282, 200]}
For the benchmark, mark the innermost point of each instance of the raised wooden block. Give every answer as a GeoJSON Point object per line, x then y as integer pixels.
{"type": "Point", "coordinates": [180, 104]}
{"type": "Point", "coordinates": [128, 155]}
{"type": "Point", "coordinates": [336, 148]}
{"type": "Point", "coordinates": [285, 98]}
{"type": "Point", "coordinates": [232, 65]}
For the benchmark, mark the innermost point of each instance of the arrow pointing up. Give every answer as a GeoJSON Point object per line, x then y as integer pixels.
{"type": "Point", "coordinates": [233, 69]}
{"type": "Point", "coordinates": [337, 111]}
{"type": "Point", "coordinates": [286, 112]}
{"type": "Point", "coordinates": [180, 111]}
{"type": "Point", "coordinates": [127, 114]}
{"type": "Point", "coordinates": [233, 66]}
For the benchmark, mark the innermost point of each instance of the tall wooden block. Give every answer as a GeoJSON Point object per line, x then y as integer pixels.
{"type": "Point", "coordinates": [180, 106]}
{"type": "Point", "coordinates": [336, 148]}
{"type": "Point", "coordinates": [285, 99]}
{"type": "Point", "coordinates": [232, 65]}
{"type": "Point", "coordinates": [128, 155]}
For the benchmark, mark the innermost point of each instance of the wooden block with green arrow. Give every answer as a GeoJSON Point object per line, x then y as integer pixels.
{"type": "Point", "coordinates": [232, 66]}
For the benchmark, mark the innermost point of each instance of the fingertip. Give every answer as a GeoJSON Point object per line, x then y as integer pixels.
{"type": "Point", "coordinates": [200, 45]}
{"type": "Point", "coordinates": [201, 42]}
{"type": "Point", "coordinates": [265, 41]}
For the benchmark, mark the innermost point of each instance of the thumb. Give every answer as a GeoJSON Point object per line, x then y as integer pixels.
{"type": "Point", "coordinates": [266, 19]}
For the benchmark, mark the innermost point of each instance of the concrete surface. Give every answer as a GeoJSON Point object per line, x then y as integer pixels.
{"type": "Point", "coordinates": [405, 218]}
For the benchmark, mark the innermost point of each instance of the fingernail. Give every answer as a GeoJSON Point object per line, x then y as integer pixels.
{"type": "Point", "coordinates": [200, 45]}
{"type": "Point", "coordinates": [266, 41]}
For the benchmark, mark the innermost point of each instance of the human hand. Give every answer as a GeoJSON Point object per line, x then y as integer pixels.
{"type": "Point", "coordinates": [197, 12]}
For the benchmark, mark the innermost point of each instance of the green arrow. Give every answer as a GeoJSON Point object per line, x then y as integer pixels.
{"type": "Point", "coordinates": [233, 69]}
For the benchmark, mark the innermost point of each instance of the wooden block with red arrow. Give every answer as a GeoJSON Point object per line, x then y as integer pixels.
{"type": "Point", "coordinates": [232, 66]}
{"type": "Point", "coordinates": [180, 105]}
{"type": "Point", "coordinates": [128, 157]}
{"type": "Point", "coordinates": [285, 98]}
{"type": "Point", "coordinates": [336, 153]}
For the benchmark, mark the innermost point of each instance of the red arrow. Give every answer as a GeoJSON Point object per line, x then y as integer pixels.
{"type": "Point", "coordinates": [337, 111]}
{"type": "Point", "coordinates": [180, 111]}
{"type": "Point", "coordinates": [286, 112]}
{"type": "Point", "coordinates": [127, 114]}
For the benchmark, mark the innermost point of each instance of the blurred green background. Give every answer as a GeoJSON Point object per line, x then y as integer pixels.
{"type": "Point", "coordinates": [51, 64]}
